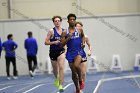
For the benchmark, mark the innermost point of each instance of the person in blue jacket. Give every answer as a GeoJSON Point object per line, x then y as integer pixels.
{"type": "Point", "coordinates": [0, 47]}
{"type": "Point", "coordinates": [9, 47]}
{"type": "Point", "coordinates": [31, 47]}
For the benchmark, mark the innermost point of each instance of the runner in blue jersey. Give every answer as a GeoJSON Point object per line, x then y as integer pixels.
{"type": "Point", "coordinates": [56, 54]}
{"type": "Point", "coordinates": [74, 39]}
{"type": "Point", "coordinates": [83, 66]}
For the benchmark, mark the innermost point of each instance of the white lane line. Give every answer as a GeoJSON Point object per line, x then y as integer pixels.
{"type": "Point", "coordinates": [24, 88]}
{"type": "Point", "coordinates": [66, 86]}
{"type": "Point", "coordinates": [5, 88]}
{"type": "Point", "coordinates": [23, 83]}
{"type": "Point", "coordinates": [112, 79]}
{"type": "Point", "coordinates": [99, 83]}
{"type": "Point", "coordinates": [33, 88]}
{"type": "Point", "coordinates": [136, 81]}
{"type": "Point", "coordinates": [28, 85]}
{"type": "Point", "coordinates": [98, 86]}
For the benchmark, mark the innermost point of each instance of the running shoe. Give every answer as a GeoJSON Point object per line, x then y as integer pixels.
{"type": "Point", "coordinates": [61, 88]}
{"type": "Point", "coordinates": [31, 73]}
{"type": "Point", "coordinates": [81, 84]}
{"type": "Point", "coordinates": [9, 78]}
{"type": "Point", "coordinates": [56, 82]}
{"type": "Point", "coordinates": [15, 77]}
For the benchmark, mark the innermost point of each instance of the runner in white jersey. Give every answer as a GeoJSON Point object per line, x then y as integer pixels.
{"type": "Point", "coordinates": [83, 66]}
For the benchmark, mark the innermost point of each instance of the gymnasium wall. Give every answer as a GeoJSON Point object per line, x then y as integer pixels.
{"type": "Point", "coordinates": [48, 8]}
{"type": "Point", "coordinates": [104, 39]}
{"type": "Point", "coordinates": [3, 9]}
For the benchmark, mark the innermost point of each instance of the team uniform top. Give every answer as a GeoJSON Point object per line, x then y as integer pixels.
{"type": "Point", "coordinates": [55, 37]}
{"type": "Point", "coordinates": [31, 46]}
{"type": "Point", "coordinates": [9, 47]}
{"type": "Point", "coordinates": [74, 46]}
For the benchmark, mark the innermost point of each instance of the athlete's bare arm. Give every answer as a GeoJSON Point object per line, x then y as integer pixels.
{"type": "Point", "coordinates": [83, 37]}
{"type": "Point", "coordinates": [64, 40]}
{"type": "Point", "coordinates": [49, 36]}
{"type": "Point", "coordinates": [88, 43]}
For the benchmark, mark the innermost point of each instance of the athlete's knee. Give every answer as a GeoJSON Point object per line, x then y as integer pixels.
{"type": "Point", "coordinates": [61, 67]}
{"type": "Point", "coordinates": [76, 65]}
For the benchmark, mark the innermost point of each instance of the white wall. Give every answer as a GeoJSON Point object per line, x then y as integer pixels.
{"type": "Point", "coordinates": [3, 9]}
{"type": "Point", "coordinates": [105, 41]}
{"type": "Point", "coordinates": [111, 7]}
{"type": "Point", "coordinates": [49, 8]}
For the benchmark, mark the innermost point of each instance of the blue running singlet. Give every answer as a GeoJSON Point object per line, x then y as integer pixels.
{"type": "Point", "coordinates": [74, 46]}
{"type": "Point", "coordinates": [55, 50]}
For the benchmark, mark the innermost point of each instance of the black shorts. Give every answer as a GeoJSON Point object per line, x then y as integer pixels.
{"type": "Point", "coordinates": [84, 59]}
{"type": "Point", "coordinates": [54, 54]}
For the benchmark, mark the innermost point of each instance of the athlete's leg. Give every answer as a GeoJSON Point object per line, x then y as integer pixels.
{"type": "Point", "coordinates": [76, 72]}
{"type": "Point", "coordinates": [55, 72]}
{"type": "Point", "coordinates": [77, 62]}
{"type": "Point", "coordinates": [55, 68]}
{"type": "Point", "coordinates": [83, 67]}
{"type": "Point", "coordinates": [60, 61]}
{"type": "Point", "coordinates": [74, 75]}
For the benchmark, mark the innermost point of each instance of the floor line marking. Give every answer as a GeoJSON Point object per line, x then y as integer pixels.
{"type": "Point", "coordinates": [5, 88]}
{"type": "Point", "coordinates": [111, 79]}
{"type": "Point", "coordinates": [31, 85]}
{"type": "Point", "coordinates": [33, 88]}
{"type": "Point", "coordinates": [66, 86]}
